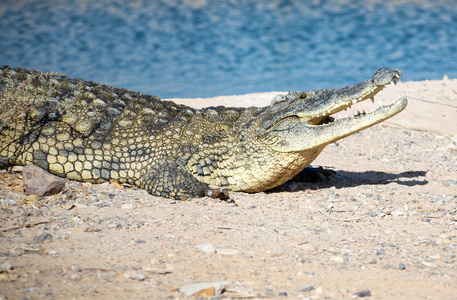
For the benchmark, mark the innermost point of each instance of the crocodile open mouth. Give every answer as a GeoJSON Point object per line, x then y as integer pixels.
{"type": "Point", "coordinates": [358, 114]}
{"type": "Point", "coordinates": [335, 111]}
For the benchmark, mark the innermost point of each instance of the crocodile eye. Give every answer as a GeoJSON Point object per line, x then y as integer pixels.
{"type": "Point", "coordinates": [303, 95]}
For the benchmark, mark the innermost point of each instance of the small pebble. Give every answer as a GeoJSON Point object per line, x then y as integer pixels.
{"type": "Point", "coordinates": [139, 277]}
{"type": "Point", "coordinates": [454, 138]}
{"type": "Point", "coordinates": [6, 266]}
{"type": "Point", "coordinates": [77, 220]}
{"type": "Point", "coordinates": [269, 291]}
{"type": "Point", "coordinates": [373, 261]}
{"type": "Point", "coordinates": [282, 294]}
{"type": "Point", "coordinates": [52, 252]}
{"type": "Point", "coordinates": [338, 259]}
{"type": "Point", "coordinates": [363, 293]}
{"type": "Point", "coordinates": [428, 264]}
{"type": "Point", "coordinates": [450, 182]}
{"type": "Point", "coordinates": [6, 202]}
{"type": "Point", "coordinates": [397, 213]}
{"type": "Point", "coordinates": [133, 275]}
{"type": "Point", "coordinates": [307, 288]}
{"type": "Point", "coordinates": [44, 237]}
{"type": "Point", "coordinates": [228, 252]}
{"type": "Point", "coordinates": [127, 206]}
{"type": "Point", "coordinates": [401, 266]}
{"type": "Point", "coordinates": [206, 247]}
{"type": "Point", "coordinates": [381, 252]}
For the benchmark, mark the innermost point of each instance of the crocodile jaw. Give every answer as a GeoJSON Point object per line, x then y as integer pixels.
{"type": "Point", "coordinates": [339, 128]}
{"type": "Point", "coordinates": [342, 98]}
{"type": "Point", "coordinates": [331, 129]}
{"type": "Point", "coordinates": [304, 122]}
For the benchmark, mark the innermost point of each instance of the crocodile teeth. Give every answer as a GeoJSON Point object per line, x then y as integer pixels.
{"type": "Point", "coordinates": [339, 116]}
{"type": "Point", "coordinates": [354, 101]}
{"type": "Point", "coordinates": [380, 104]}
{"type": "Point", "coordinates": [372, 99]}
{"type": "Point", "coordinates": [329, 111]}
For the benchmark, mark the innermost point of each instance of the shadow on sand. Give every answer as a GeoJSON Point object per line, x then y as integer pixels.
{"type": "Point", "coordinates": [342, 179]}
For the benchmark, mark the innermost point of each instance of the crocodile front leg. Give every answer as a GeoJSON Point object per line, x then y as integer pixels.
{"type": "Point", "coordinates": [168, 178]}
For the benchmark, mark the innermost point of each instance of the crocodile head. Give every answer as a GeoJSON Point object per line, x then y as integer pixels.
{"type": "Point", "coordinates": [301, 121]}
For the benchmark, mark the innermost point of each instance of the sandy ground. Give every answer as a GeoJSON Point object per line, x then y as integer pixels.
{"type": "Point", "coordinates": [385, 225]}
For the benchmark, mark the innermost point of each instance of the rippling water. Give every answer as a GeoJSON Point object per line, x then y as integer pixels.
{"type": "Point", "coordinates": [208, 48]}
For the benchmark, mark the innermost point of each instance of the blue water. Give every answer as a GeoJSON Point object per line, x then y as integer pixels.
{"type": "Point", "coordinates": [205, 48]}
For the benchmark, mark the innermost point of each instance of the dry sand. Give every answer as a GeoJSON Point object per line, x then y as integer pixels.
{"type": "Point", "coordinates": [386, 224]}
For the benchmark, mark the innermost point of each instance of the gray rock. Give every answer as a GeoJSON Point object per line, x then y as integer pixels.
{"type": "Point", "coordinates": [206, 247]}
{"type": "Point", "coordinates": [127, 206]}
{"type": "Point", "coordinates": [244, 290]}
{"type": "Point", "coordinates": [7, 202]}
{"type": "Point", "coordinates": [39, 182]}
{"type": "Point", "coordinates": [381, 252]}
{"type": "Point", "coordinates": [190, 290]}
{"type": "Point", "coordinates": [139, 277]}
{"type": "Point", "coordinates": [307, 288]}
{"type": "Point", "coordinates": [363, 293]}
{"type": "Point", "coordinates": [44, 237]}
{"type": "Point", "coordinates": [401, 266]}
{"type": "Point", "coordinates": [6, 266]}
{"type": "Point", "coordinates": [134, 275]}
{"type": "Point", "coordinates": [450, 182]}
{"type": "Point", "coordinates": [269, 291]}
{"type": "Point", "coordinates": [52, 252]}
{"type": "Point", "coordinates": [454, 138]}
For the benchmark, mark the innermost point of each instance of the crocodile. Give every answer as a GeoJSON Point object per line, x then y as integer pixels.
{"type": "Point", "coordinates": [90, 132]}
